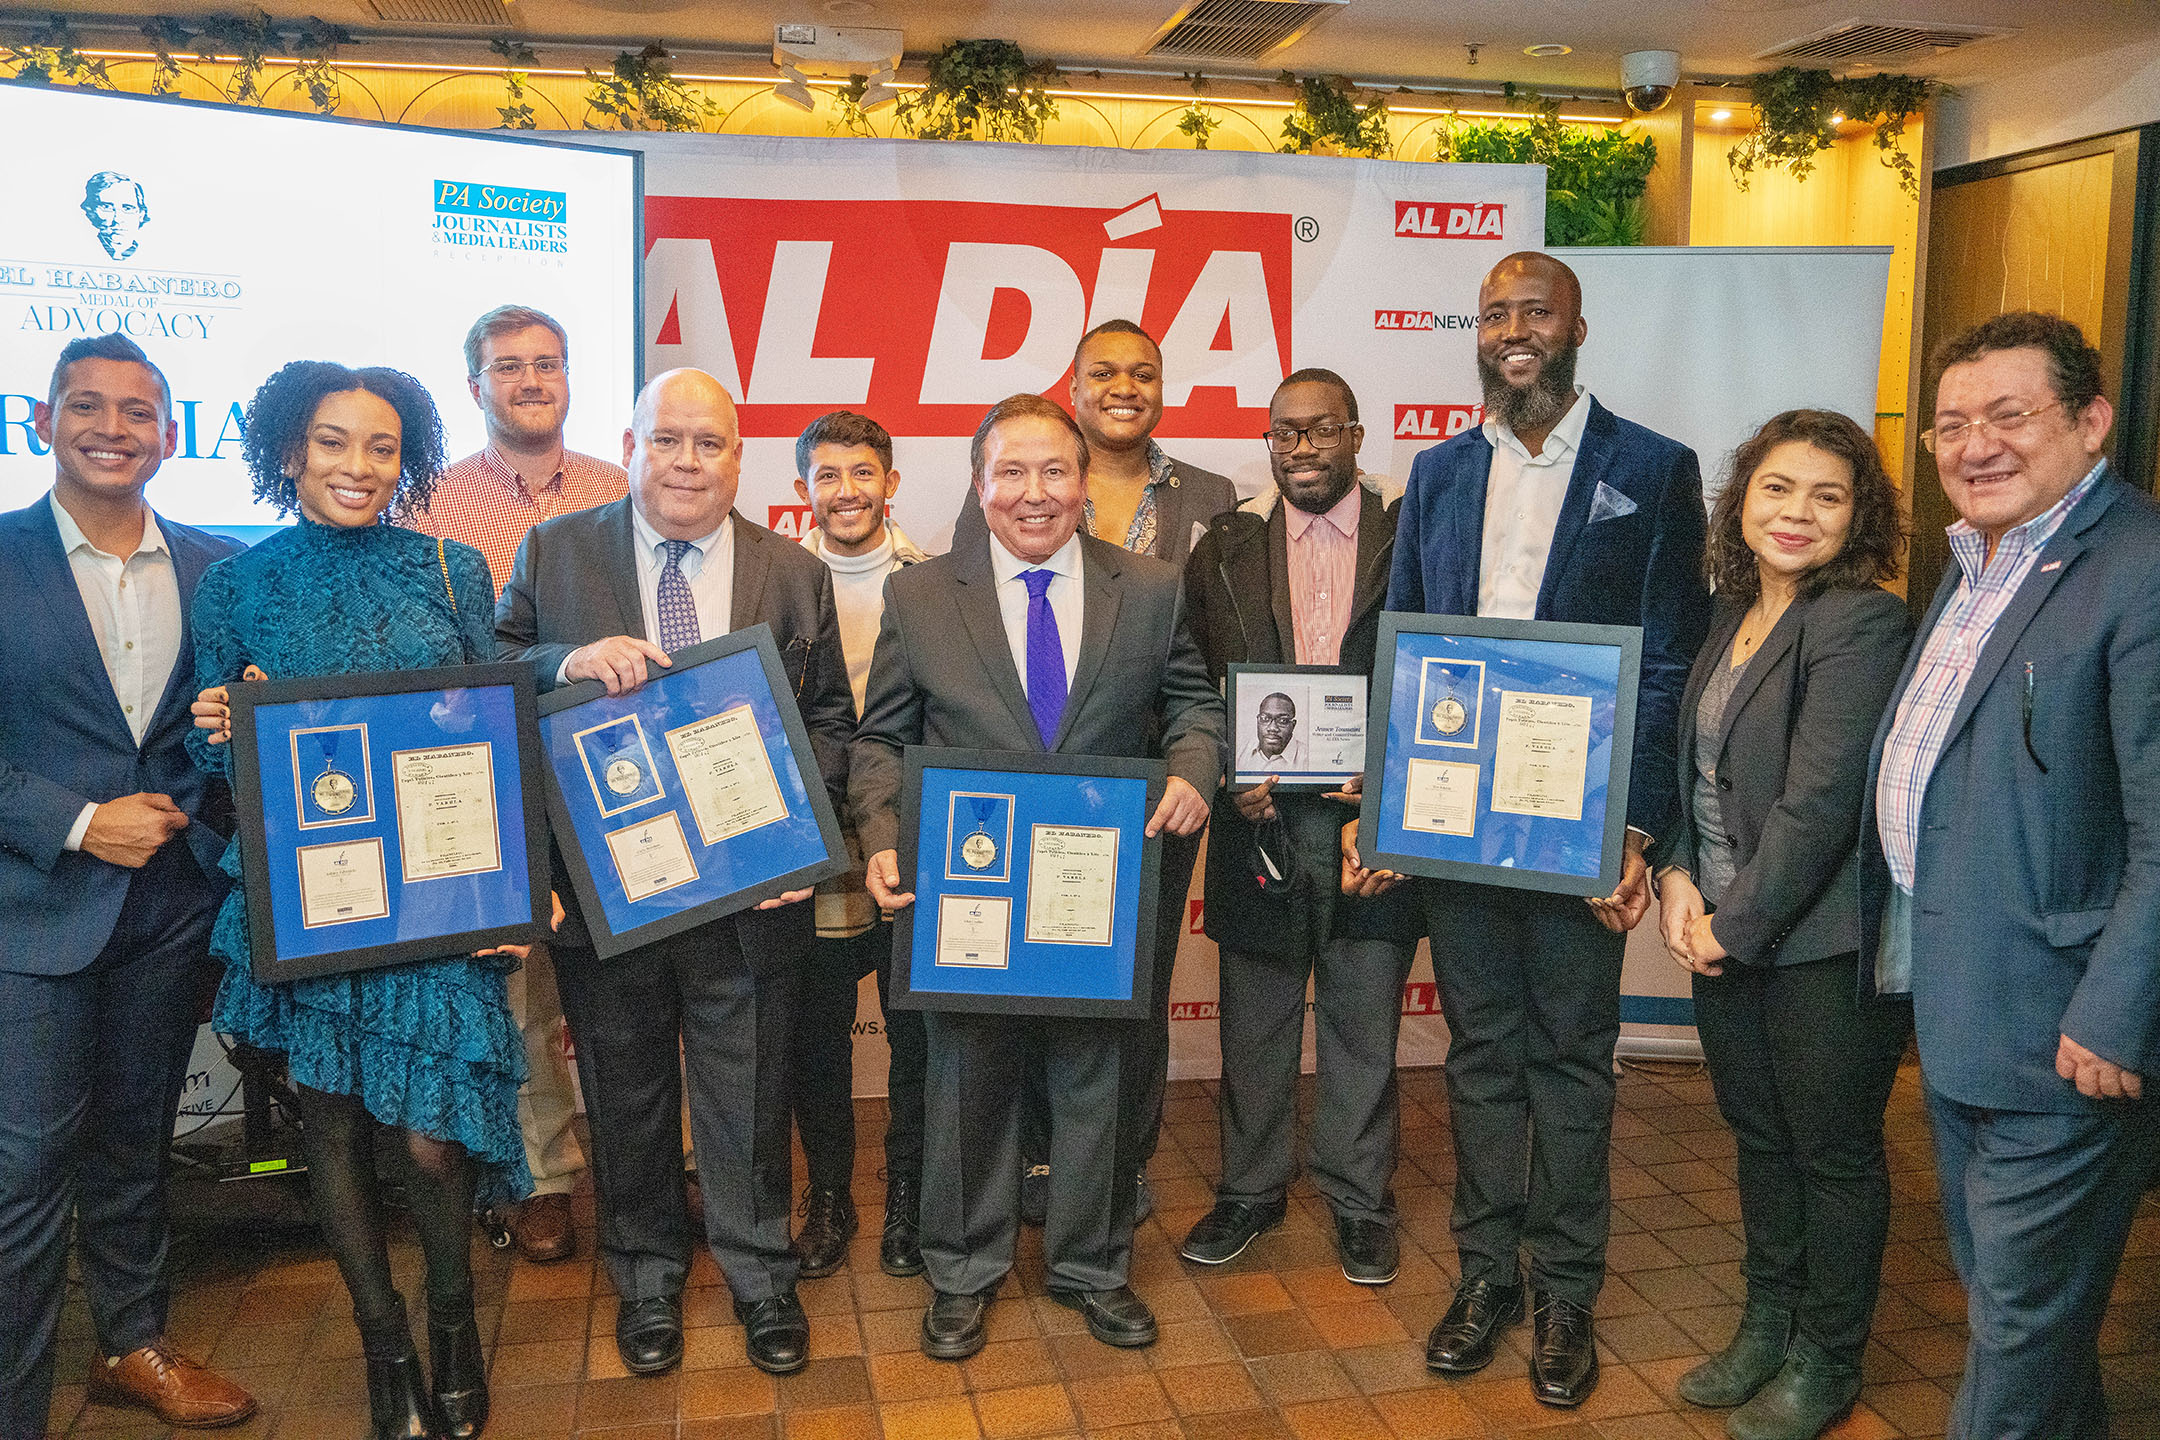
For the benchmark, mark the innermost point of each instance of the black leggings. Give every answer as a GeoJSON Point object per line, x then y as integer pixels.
{"type": "Point", "coordinates": [339, 1138]}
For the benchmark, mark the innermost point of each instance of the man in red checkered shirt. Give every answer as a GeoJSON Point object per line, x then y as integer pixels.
{"type": "Point", "coordinates": [517, 363]}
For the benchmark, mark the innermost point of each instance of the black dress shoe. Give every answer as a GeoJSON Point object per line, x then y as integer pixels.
{"type": "Point", "coordinates": [648, 1334]}
{"type": "Point", "coordinates": [828, 1225]}
{"type": "Point", "coordinates": [953, 1327]}
{"type": "Point", "coordinates": [1368, 1250]}
{"type": "Point", "coordinates": [1222, 1234]}
{"type": "Point", "coordinates": [1563, 1352]}
{"type": "Point", "coordinates": [1034, 1193]}
{"type": "Point", "coordinates": [1463, 1340]}
{"type": "Point", "coordinates": [399, 1406]}
{"type": "Point", "coordinates": [900, 1248]}
{"type": "Point", "coordinates": [1115, 1317]}
{"type": "Point", "coordinates": [776, 1333]}
{"type": "Point", "coordinates": [459, 1374]}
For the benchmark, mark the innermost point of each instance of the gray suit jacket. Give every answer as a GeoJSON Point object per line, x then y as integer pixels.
{"type": "Point", "coordinates": [576, 581]}
{"type": "Point", "coordinates": [943, 674]}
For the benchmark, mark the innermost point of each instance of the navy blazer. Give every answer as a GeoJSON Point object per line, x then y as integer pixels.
{"type": "Point", "coordinates": [1642, 568]}
{"type": "Point", "coordinates": [65, 743]}
{"type": "Point", "coordinates": [2036, 902]}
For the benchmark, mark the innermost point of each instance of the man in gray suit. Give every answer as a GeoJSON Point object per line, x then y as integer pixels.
{"type": "Point", "coordinates": [1063, 644]}
{"type": "Point", "coordinates": [605, 594]}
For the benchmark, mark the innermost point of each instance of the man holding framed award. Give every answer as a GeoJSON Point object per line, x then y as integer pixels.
{"type": "Point", "coordinates": [603, 595]}
{"type": "Point", "coordinates": [1295, 577]}
{"type": "Point", "coordinates": [1554, 510]}
{"type": "Point", "coordinates": [1064, 644]}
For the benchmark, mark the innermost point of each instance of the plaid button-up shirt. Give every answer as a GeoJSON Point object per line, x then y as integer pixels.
{"type": "Point", "coordinates": [481, 501]}
{"type": "Point", "coordinates": [1947, 658]}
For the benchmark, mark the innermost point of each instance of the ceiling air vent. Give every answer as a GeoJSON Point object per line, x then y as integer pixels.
{"type": "Point", "coordinates": [1238, 29]}
{"type": "Point", "coordinates": [489, 13]}
{"type": "Point", "coordinates": [1878, 42]}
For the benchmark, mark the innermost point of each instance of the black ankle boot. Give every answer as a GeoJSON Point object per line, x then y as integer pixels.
{"type": "Point", "coordinates": [398, 1400]}
{"type": "Point", "coordinates": [460, 1376]}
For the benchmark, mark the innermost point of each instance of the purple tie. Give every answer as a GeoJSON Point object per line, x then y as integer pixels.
{"type": "Point", "coordinates": [1045, 657]}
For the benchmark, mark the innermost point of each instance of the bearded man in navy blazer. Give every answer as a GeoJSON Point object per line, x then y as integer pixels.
{"type": "Point", "coordinates": [2015, 836]}
{"type": "Point", "coordinates": [108, 882]}
{"type": "Point", "coordinates": [1556, 509]}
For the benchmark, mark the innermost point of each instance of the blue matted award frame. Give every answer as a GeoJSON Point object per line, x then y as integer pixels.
{"type": "Point", "coordinates": [690, 798]}
{"type": "Point", "coordinates": [1504, 756]}
{"type": "Point", "coordinates": [387, 818]}
{"type": "Point", "coordinates": [995, 929]}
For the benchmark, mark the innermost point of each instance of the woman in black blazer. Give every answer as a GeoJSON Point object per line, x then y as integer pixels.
{"type": "Point", "coordinates": [1760, 899]}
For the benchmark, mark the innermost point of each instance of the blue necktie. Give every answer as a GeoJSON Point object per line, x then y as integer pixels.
{"type": "Point", "coordinates": [678, 611]}
{"type": "Point", "coordinates": [1045, 657]}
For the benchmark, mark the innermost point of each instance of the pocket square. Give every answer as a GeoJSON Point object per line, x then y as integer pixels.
{"type": "Point", "coordinates": [1609, 504]}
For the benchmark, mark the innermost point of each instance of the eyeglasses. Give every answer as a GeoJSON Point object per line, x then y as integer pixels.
{"type": "Point", "coordinates": [547, 367]}
{"type": "Point", "coordinates": [1283, 439]}
{"type": "Point", "coordinates": [1955, 434]}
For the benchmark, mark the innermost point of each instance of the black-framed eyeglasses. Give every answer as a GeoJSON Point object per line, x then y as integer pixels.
{"type": "Point", "coordinates": [547, 367]}
{"type": "Point", "coordinates": [1325, 435]}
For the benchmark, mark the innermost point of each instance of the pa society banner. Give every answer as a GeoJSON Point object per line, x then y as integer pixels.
{"type": "Point", "coordinates": [921, 283]}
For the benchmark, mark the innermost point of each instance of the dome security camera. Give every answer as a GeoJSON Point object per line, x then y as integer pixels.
{"type": "Point", "coordinates": [1648, 78]}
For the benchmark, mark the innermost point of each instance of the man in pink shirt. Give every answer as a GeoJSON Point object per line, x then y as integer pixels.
{"type": "Point", "coordinates": [517, 364]}
{"type": "Point", "coordinates": [1296, 576]}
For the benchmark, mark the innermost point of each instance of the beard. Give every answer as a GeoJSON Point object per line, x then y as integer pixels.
{"type": "Point", "coordinates": [1537, 405]}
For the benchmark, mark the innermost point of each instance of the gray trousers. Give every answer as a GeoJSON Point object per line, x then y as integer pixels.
{"type": "Point", "coordinates": [1530, 984]}
{"type": "Point", "coordinates": [626, 1015]}
{"type": "Point", "coordinates": [1357, 1012]}
{"type": "Point", "coordinates": [971, 1149]}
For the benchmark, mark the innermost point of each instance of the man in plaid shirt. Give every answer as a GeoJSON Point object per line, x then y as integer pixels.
{"type": "Point", "coordinates": [2016, 801]}
{"type": "Point", "coordinates": [517, 365]}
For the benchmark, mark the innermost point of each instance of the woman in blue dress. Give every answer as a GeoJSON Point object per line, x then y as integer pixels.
{"type": "Point", "coordinates": [428, 1047]}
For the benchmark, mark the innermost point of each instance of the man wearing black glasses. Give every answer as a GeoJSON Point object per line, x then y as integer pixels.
{"type": "Point", "coordinates": [517, 365]}
{"type": "Point", "coordinates": [1296, 576]}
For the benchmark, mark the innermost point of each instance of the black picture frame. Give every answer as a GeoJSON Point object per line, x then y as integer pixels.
{"type": "Point", "coordinates": [1236, 680]}
{"type": "Point", "coordinates": [522, 850]}
{"type": "Point", "coordinates": [1385, 842]}
{"type": "Point", "coordinates": [612, 917]}
{"type": "Point", "coordinates": [1134, 910]}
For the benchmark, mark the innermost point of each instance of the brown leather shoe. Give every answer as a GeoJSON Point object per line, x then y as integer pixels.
{"type": "Point", "coordinates": [170, 1386]}
{"type": "Point", "coordinates": [543, 1229]}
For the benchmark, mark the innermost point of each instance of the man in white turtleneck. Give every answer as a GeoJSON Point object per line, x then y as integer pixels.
{"type": "Point", "coordinates": [843, 466]}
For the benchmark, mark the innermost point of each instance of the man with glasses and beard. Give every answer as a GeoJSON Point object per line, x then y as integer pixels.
{"type": "Point", "coordinates": [1556, 509]}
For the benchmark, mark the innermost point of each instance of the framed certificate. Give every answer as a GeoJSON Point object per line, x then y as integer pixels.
{"type": "Point", "coordinates": [1304, 724]}
{"type": "Point", "coordinates": [1504, 759]}
{"type": "Point", "coordinates": [1034, 883]}
{"type": "Point", "coordinates": [388, 818]}
{"type": "Point", "coordinates": [691, 797]}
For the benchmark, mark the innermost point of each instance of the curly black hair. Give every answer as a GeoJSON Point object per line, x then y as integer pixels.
{"type": "Point", "coordinates": [1873, 544]}
{"type": "Point", "coordinates": [279, 415]}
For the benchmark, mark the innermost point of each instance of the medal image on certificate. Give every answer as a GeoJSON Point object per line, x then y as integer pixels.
{"type": "Point", "coordinates": [342, 882]}
{"type": "Point", "coordinates": [726, 775]}
{"type": "Point", "coordinates": [974, 931]}
{"type": "Point", "coordinates": [651, 856]}
{"type": "Point", "coordinates": [619, 765]}
{"type": "Point", "coordinates": [1440, 797]}
{"type": "Point", "coordinates": [978, 836]}
{"type": "Point", "coordinates": [1541, 754]}
{"type": "Point", "coordinates": [330, 776]}
{"type": "Point", "coordinates": [446, 811]}
{"type": "Point", "coordinates": [1450, 696]}
{"type": "Point", "coordinates": [1072, 884]}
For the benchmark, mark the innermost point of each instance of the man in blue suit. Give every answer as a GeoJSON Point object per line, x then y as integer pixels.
{"type": "Point", "coordinates": [2015, 835]}
{"type": "Point", "coordinates": [1556, 509]}
{"type": "Point", "coordinates": [108, 882]}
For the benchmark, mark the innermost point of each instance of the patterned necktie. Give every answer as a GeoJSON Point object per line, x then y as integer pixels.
{"type": "Point", "coordinates": [1045, 657]}
{"type": "Point", "coordinates": [678, 612]}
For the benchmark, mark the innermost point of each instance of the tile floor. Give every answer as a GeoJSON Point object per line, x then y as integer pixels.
{"type": "Point", "coordinates": [1276, 1344]}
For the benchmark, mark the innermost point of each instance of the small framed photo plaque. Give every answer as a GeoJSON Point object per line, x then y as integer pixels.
{"type": "Point", "coordinates": [1303, 724]}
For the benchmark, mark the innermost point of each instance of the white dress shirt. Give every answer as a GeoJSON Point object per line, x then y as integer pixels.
{"type": "Point", "coordinates": [709, 566]}
{"type": "Point", "coordinates": [1523, 496]}
{"type": "Point", "coordinates": [1065, 602]}
{"type": "Point", "coordinates": [133, 604]}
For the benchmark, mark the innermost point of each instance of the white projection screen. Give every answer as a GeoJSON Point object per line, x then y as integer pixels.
{"type": "Point", "coordinates": [228, 241]}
